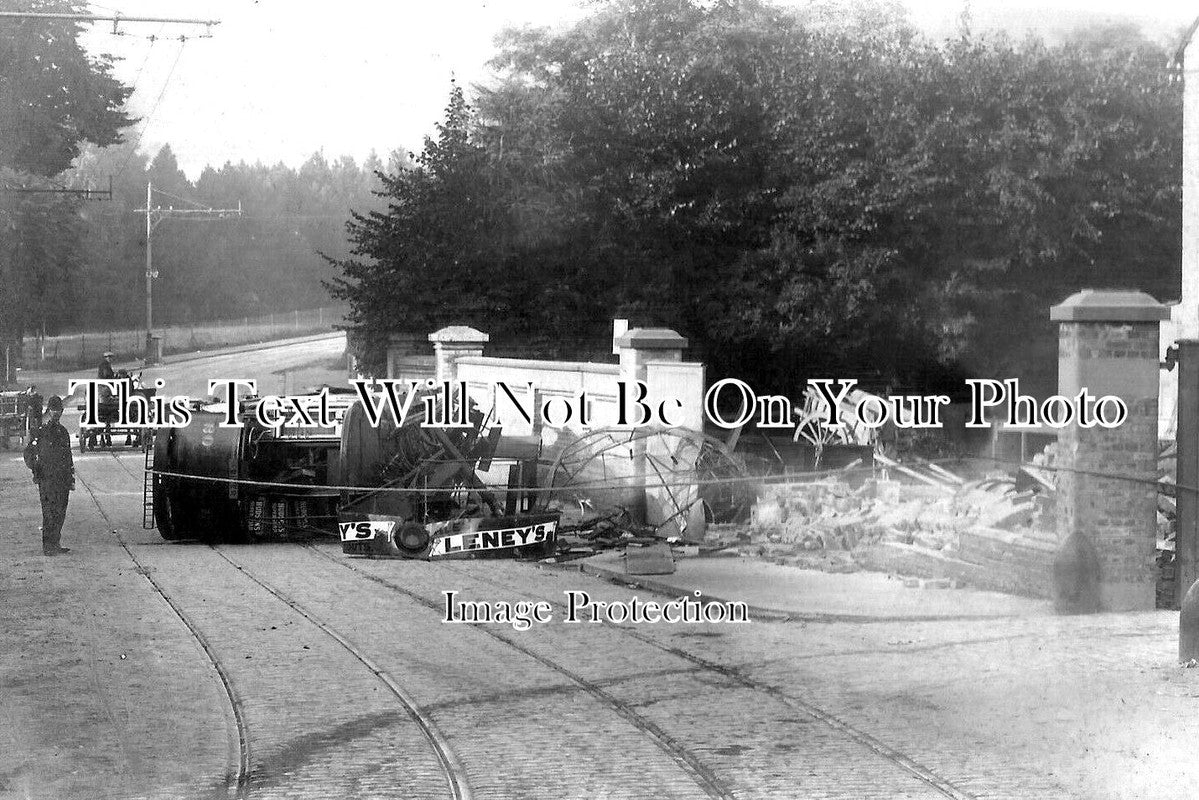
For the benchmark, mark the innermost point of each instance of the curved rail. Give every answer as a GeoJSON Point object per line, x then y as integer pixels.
{"type": "Point", "coordinates": [455, 773]}
{"type": "Point", "coordinates": [925, 774]}
{"type": "Point", "coordinates": [240, 779]}
{"type": "Point", "coordinates": [672, 747]}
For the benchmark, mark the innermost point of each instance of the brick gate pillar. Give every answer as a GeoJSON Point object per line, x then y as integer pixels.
{"type": "Point", "coordinates": [1108, 344]}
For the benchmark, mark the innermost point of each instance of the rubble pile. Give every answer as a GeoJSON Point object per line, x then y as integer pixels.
{"type": "Point", "coordinates": [793, 522]}
{"type": "Point", "coordinates": [819, 524]}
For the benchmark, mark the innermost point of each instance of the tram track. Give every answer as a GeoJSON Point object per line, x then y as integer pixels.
{"type": "Point", "coordinates": [454, 773]}
{"type": "Point", "coordinates": [238, 779]}
{"type": "Point", "coordinates": [925, 774]}
{"type": "Point", "coordinates": [703, 776]}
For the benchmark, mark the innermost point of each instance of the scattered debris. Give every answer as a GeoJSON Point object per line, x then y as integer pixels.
{"type": "Point", "coordinates": [817, 523]}
{"type": "Point", "coordinates": [938, 482]}
{"type": "Point", "coordinates": [693, 487]}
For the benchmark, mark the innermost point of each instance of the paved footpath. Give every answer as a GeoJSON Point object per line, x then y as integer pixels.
{"type": "Point", "coordinates": [102, 692]}
{"type": "Point", "coordinates": [105, 693]}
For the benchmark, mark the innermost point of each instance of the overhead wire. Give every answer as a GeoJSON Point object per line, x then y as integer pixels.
{"type": "Point", "coordinates": [200, 206]}
{"type": "Point", "coordinates": [136, 78]}
{"type": "Point", "coordinates": [149, 117]}
{"type": "Point", "coordinates": [53, 184]}
{"type": "Point", "coordinates": [689, 478]}
{"type": "Point", "coordinates": [149, 51]}
{"type": "Point", "coordinates": [154, 36]}
{"type": "Point", "coordinates": [280, 217]}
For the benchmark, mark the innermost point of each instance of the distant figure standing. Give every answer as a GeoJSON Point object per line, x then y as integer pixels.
{"type": "Point", "coordinates": [48, 456]}
{"type": "Point", "coordinates": [33, 411]}
{"type": "Point", "coordinates": [105, 371]}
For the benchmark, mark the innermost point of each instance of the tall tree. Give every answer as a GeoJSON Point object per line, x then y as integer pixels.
{"type": "Point", "coordinates": [441, 236]}
{"type": "Point", "coordinates": [54, 97]}
{"type": "Point", "coordinates": [799, 194]}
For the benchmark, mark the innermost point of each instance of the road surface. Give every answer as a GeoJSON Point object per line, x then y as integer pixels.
{"type": "Point", "coordinates": [279, 369]}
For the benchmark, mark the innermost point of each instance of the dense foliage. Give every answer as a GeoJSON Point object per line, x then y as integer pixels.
{"type": "Point", "coordinates": [54, 97]}
{"type": "Point", "coordinates": [799, 194]}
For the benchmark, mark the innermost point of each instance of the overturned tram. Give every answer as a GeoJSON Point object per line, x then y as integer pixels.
{"type": "Point", "coordinates": [219, 483]}
{"type": "Point", "coordinates": [391, 491]}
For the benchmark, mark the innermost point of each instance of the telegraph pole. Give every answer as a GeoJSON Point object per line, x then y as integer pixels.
{"type": "Point", "coordinates": [155, 215]}
{"type": "Point", "coordinates": [150, 273]}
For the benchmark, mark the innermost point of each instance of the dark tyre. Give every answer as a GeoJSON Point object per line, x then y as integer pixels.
{"type": "Point", "coordinates": [169, 523]}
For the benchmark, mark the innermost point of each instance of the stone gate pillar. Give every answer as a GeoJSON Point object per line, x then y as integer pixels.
{"type": "Point", "coordinates": [642, 345]}
{"type": "Point", "coordinates": [451, 344]}
{"type": "Point", "coordinates": [1108, 344]}
{"type": "Point", "coordinates": [654, 356]}
{"type": "Point", "coordinates": [400, 348]}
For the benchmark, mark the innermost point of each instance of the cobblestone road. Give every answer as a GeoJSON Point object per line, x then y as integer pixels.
{"type": "Point", "coordinates": [106, 692]}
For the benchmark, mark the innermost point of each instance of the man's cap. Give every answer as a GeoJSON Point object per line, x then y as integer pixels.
{"type": "Point", "coordinates": [54, 403]}
{"type": "Point", "coordinates": [109, 355]}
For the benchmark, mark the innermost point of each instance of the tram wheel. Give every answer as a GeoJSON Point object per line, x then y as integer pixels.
{"type": "Point", "coordinates": [164, 514]}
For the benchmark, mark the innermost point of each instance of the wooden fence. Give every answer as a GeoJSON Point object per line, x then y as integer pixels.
{"type": "Point", "coordinates": [78, 349]}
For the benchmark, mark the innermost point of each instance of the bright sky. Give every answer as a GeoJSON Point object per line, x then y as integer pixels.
{"type": "Point", "coordinates": [282, 79]}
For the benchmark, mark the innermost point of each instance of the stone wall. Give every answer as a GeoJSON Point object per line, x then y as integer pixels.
{"type": "Point", "coordinates": [986, 559]}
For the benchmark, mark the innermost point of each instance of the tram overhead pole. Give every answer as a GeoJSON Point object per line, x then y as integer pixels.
{"type": "Point", "coordinates": [154, 216]}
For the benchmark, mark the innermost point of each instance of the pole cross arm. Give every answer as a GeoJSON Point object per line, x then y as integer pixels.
{"type": "Point", "coordinates": [114, 18]}
{"type": "Point", "coordinates": [154, 217]}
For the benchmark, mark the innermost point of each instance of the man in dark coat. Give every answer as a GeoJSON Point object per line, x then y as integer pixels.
{"type": "Point", "coordinates": [48, 455]}
{"type": "Point", "coordinates": [105, 370]}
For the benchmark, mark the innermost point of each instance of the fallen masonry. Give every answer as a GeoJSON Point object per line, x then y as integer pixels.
{"type": "Point", "coordinates": [991, 531]}
{"type": "Point", "coordinates": [957, 523]}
